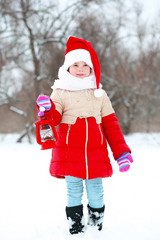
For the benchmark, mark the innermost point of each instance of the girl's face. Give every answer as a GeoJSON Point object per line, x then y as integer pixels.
{"type": "Point", "coordinates": [80, 70]}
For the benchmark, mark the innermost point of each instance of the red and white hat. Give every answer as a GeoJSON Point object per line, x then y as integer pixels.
{"type": "Point", "coordinates": [81, 50]}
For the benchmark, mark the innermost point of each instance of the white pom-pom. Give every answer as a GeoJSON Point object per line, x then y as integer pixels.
{"type": "Point", "coordinates": [42, 109]}
{"type": "Point", "coordinates": [98, 93]}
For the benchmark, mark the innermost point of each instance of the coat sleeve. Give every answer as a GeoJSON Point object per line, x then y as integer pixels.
{"type": "Point", "coordinates": [114, 135]}
{"type": "Point", "coordinates": [58, 106]}
{"type": "Point", "coordinates": [107, 108]}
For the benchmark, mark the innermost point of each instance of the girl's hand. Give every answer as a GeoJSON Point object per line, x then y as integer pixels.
{"type": "Point", "coordinates": [124, 161]}
{"type": "Point", "coordinates": [44, 104]}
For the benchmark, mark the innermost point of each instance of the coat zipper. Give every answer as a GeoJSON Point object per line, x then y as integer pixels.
{"type": "Point", "coordinates": [69, 127]}
{"type": "Point", "coordinates": [86, 158]}
{"type": "Point", "coordinates": [101, 133]}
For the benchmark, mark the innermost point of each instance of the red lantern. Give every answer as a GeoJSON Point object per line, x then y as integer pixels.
{"type": "Point", "coordinates": [46, 134]}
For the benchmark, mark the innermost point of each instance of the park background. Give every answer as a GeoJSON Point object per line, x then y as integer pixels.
{"type": "Point", "coordinates": [125, 35]}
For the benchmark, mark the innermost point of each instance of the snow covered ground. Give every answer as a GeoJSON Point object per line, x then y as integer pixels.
{"type": "Point", "coordinates": [32, 203]}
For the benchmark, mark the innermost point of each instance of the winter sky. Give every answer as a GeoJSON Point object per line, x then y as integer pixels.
{"type": "Point", "coordinates": [151, 8]}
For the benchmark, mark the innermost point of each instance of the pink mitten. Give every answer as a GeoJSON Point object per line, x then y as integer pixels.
{"type": "Point", "coordinates": [124, 161]}
{"type": "Point", "coordinates": [44, 104]}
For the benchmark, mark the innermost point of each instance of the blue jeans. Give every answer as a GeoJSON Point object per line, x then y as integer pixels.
{"type": "Point", "coordinates": [94, 188]}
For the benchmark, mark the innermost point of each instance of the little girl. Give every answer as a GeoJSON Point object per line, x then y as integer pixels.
{"type": "Point", "coordinates": [85, 119]}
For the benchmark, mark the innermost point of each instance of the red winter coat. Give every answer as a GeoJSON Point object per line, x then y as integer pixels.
{"type": "Point", "coordinates": [81, 148]}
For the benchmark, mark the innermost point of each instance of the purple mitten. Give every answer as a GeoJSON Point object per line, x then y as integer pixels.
{"type": "Point", "coordinates": [124, 161]}
{"type": "Point", "coordinates": [44, 104]}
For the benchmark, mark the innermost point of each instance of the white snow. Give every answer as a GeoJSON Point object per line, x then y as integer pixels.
{"type": "Point", "coordinates": [32, 203]}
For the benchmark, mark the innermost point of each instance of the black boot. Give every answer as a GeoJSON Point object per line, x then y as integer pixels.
{"type": "Point", "coordinates": [95, 217]}
{"type": "Point", "coordinates": [75, 218]}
